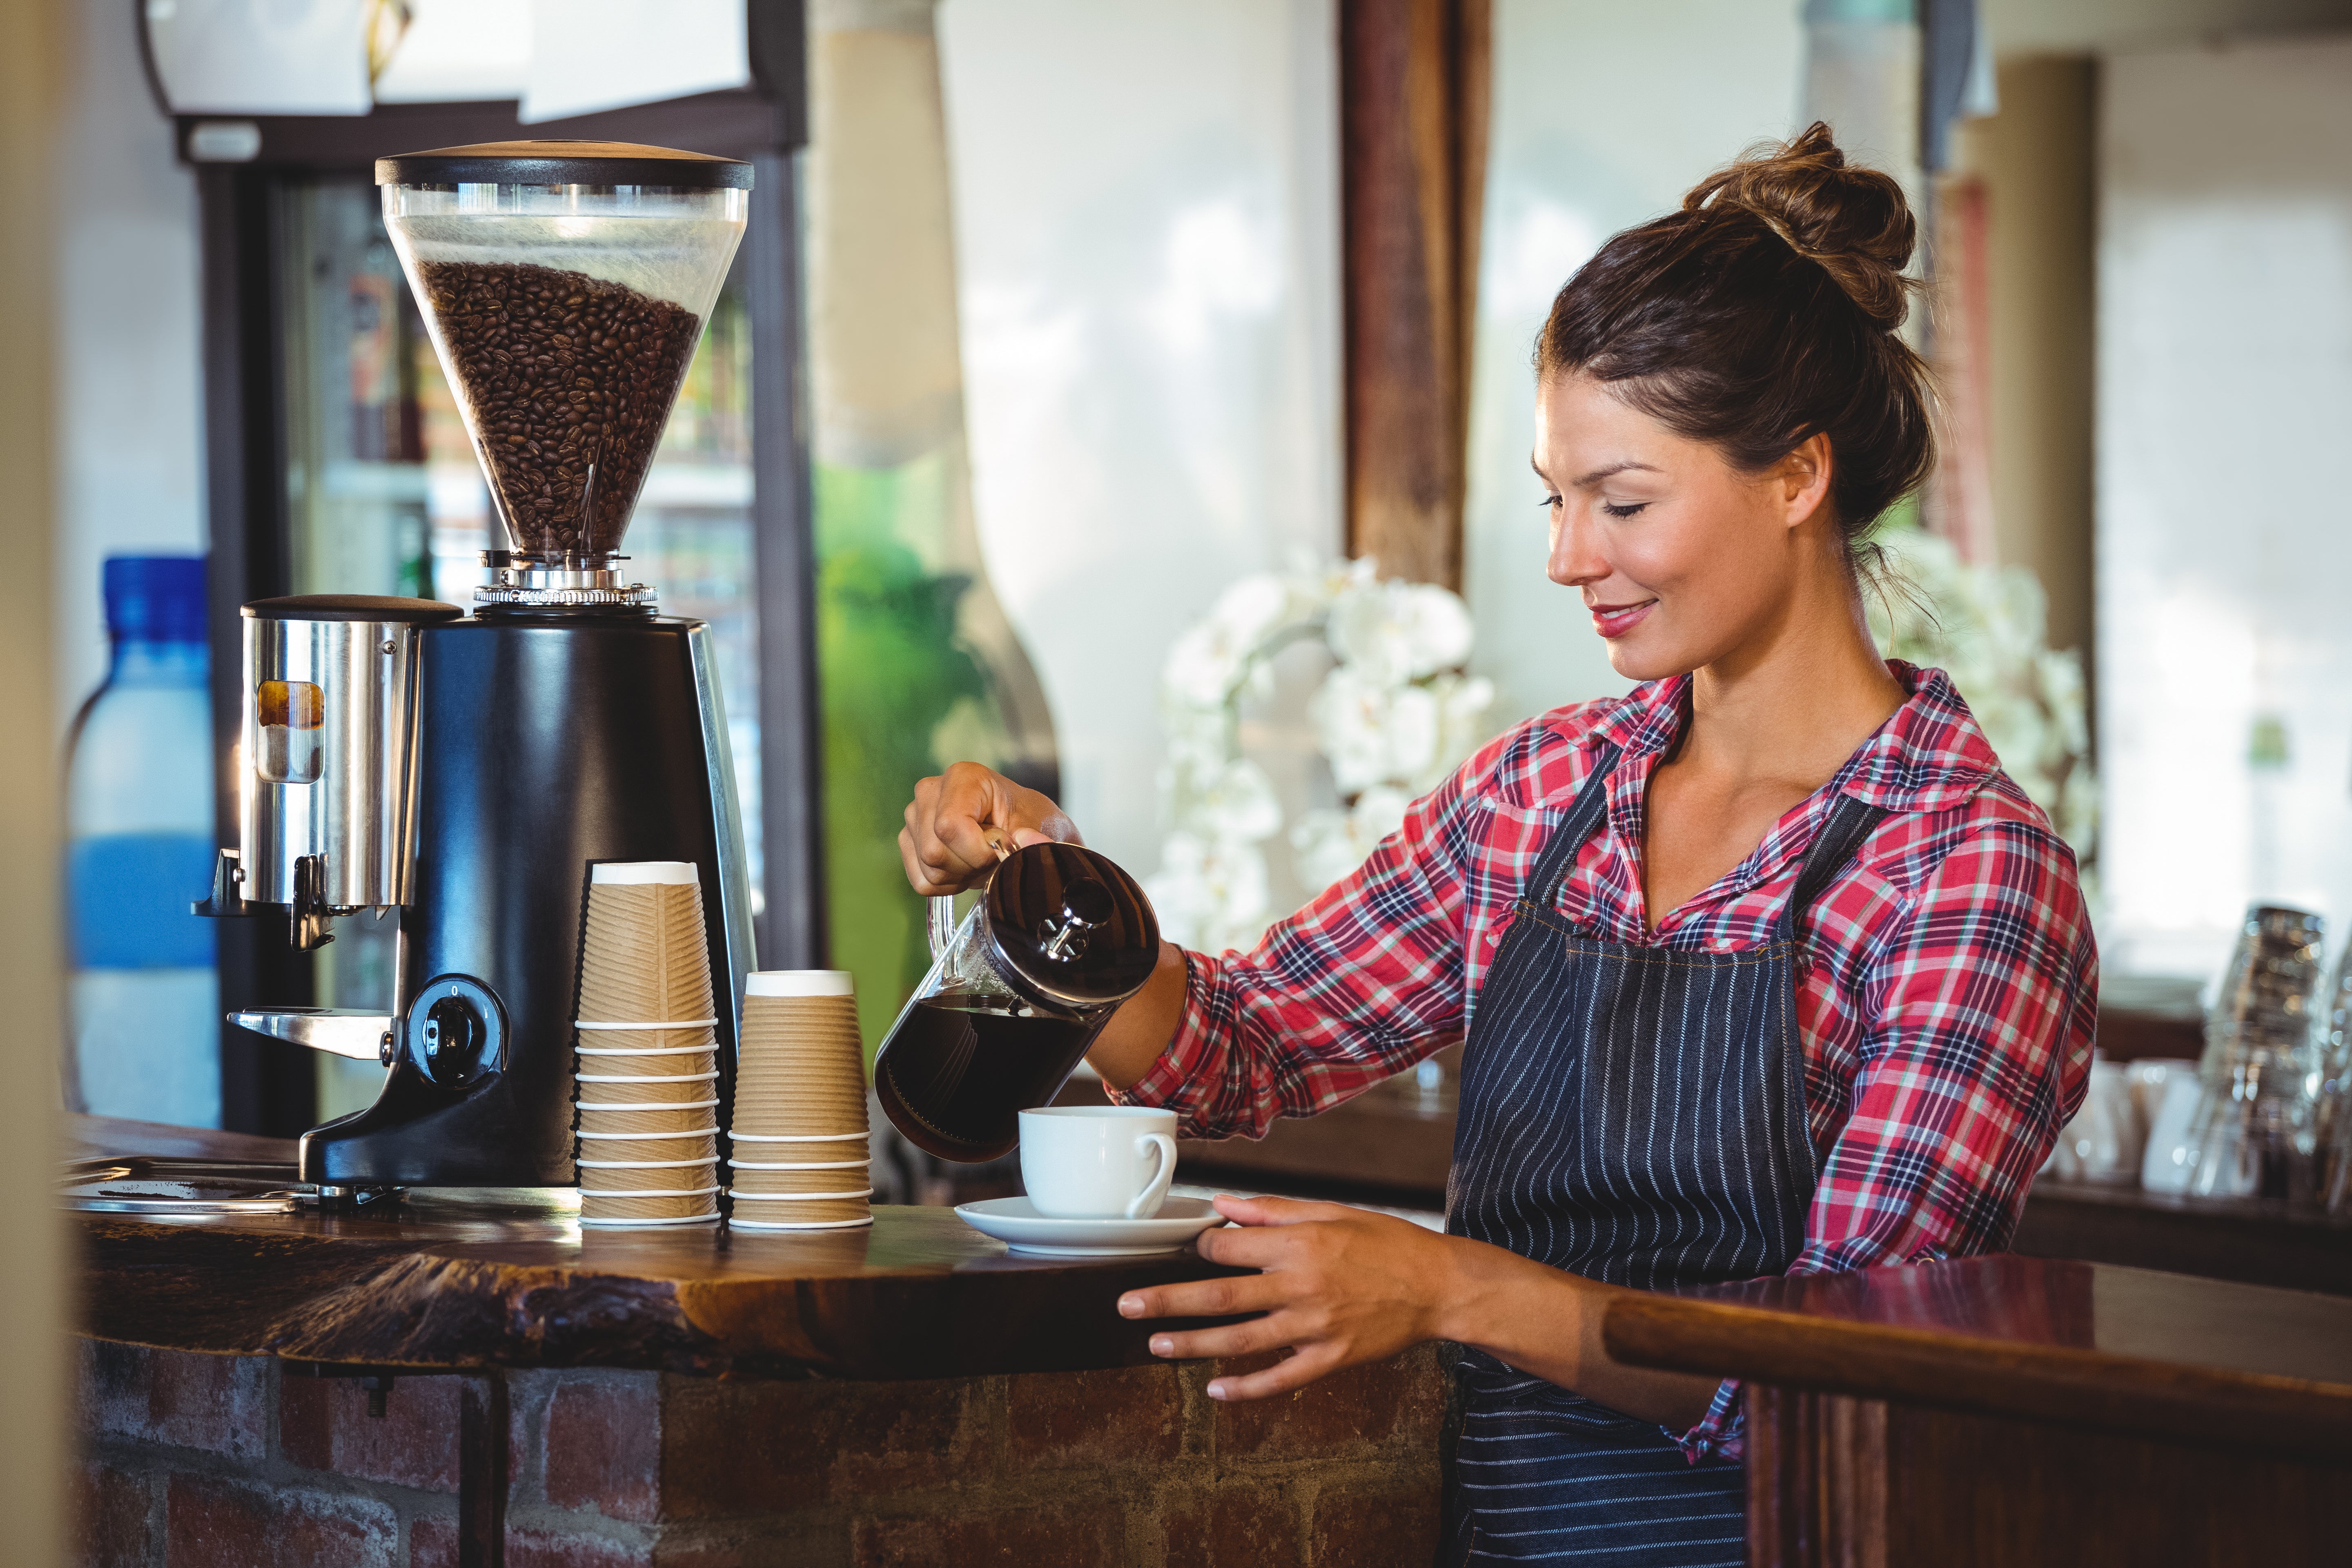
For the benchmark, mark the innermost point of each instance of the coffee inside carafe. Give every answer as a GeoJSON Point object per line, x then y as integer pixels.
{"type": "Point", "coordinates": [1014, 999]}
{"type": "Point", "coordinates": [973, 1064]}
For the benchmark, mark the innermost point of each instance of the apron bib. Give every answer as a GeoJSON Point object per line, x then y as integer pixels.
{"type": "Point", "coordinates": [1636, 1115]}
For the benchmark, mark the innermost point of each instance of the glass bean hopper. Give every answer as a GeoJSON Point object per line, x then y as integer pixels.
{"type": "Point", "coordinates": [564, 285]}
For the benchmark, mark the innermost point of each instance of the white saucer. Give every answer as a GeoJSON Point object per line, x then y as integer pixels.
{"type": "Point", "coordinates": [1016, 1223]}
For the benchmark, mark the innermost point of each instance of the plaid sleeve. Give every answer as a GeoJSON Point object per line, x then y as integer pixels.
{"type": "Point", "coordinates": [1983, 1002]}
{"type": "Point", "coordinates": [1358, 985]}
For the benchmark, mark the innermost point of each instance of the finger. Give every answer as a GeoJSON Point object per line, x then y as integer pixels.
{"type": "Point", "coordinates": [1205, 1297]}
{"type": "Point", "coordinates": [1293, 1371]}
{"type": "Point", "coordinates": [921, 814]}
{"type": "Point", "coordinates": [918, 872]}
{"type": "Point", "coordinates": [969, 819]}
{"type": "Point", "coordinates": [1259, 1247]}
{"type": "Point", "coordinates": [1278, 1211]}
{"type": "Point", "coordinates": [1258, 1334]}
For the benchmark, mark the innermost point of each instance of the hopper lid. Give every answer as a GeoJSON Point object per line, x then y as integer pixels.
{"type": "Point", "coordinates": [557, 162]}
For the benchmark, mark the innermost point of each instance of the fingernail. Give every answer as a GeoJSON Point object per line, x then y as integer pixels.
{"type": "Point", "coordinates": [1131, 1306]}
{"type": "Point", "coordinates": [1162, 1345]}
{"type": "Point", "coordinates": [1216, 1390]}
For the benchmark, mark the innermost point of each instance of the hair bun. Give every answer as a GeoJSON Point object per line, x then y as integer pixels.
{"type": "Point", "coordinates": [1853, 221]}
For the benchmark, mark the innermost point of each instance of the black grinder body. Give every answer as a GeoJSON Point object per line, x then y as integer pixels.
{"type": "Point", "coordinates": [545, 743]}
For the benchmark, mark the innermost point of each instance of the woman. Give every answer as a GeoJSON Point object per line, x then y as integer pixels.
{"type": "Point", "coordinates": [1766, 966]}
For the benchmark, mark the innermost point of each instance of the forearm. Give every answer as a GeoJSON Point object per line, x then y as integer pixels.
{"type": "Point", "coordinates": [1139, 1031]}
{"type": "Point", "coordinates": [1547, 1323]}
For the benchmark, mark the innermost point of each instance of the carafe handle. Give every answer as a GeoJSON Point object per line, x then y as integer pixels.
{"type": "Point", "coordinates": [940, 922]}
{"type": "Point", "coordinates": [940, 925]}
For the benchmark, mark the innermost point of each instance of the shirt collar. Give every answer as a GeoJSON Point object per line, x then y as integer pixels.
{"type": "Point", "coordinates": [1929, 755]}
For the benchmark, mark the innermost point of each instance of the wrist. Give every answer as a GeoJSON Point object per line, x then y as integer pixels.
{"type": "Point", "coordinates": [1466, 1287]}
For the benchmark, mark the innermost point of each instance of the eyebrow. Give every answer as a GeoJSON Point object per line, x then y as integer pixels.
{"type": "Point", "coordinates": [1597, 475]}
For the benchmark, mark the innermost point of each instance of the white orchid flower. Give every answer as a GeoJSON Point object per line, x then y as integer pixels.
{"type": "Point", "coordinates": [1237, 806]}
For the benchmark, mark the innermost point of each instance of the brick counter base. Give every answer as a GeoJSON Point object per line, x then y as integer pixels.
{"type": "Point", "coordinates": [193, 1461]}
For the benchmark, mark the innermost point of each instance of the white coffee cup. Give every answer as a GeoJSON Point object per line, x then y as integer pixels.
{"type": "Point", "coordinates": [1097, 1161]}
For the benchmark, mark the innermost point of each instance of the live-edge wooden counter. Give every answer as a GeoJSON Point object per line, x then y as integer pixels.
{"type": "Point", "coordinates": [2010, 1410]}
{"type": "Point", "coordinates": [472, 1379]}
{"type": "Point", "coordinates": [481, 1280]}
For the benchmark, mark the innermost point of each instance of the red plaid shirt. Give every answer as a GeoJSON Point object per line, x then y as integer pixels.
{"type": "Point", "coordinates": [1947, 989]}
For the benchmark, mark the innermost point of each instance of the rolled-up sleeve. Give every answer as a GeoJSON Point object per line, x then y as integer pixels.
{"type": "Point", "coordinates": [1358, 985]}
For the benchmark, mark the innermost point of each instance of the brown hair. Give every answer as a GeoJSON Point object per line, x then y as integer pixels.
{"type": "Point", "coordinates": [1764, 311]}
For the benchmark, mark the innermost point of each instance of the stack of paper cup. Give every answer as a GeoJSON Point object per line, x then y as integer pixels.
{"type": "Point", "coordinates": [648, 1061]}
{"type": "Point", "coordinates": [800, 1149]}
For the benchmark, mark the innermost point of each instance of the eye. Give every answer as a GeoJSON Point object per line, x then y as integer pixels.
{"type": "Point", "coordinates": [1551, 501]}
{"type": "Point", "coordinates": [1630, 509]}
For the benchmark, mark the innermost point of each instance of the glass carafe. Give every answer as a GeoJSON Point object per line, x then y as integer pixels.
{"type": "Point", "coordinates": [1015, 996]}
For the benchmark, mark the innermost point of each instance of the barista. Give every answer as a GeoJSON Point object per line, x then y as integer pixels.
{"type": "Point", "coordinates": [1764, 967]}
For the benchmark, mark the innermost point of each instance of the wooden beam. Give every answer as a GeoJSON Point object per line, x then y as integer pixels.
{"type": "Point", "coordinates": [1412, 96]}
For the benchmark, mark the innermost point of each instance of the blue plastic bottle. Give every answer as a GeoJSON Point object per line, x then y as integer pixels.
{"type": "Point", "coordinates": [139, 840]}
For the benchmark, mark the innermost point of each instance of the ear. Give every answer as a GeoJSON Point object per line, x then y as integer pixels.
{"type": "Point", "coordinates": [1800, 482]}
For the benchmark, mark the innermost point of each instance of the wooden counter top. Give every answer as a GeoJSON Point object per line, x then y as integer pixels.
{"type": "Point", "coordinates": [2077, 1344]}
{"type": "Point", "coordinates": [506, 1277]}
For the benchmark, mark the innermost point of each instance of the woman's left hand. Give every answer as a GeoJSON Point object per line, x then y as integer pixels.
{"type": "Point", "coordinates": [1339, 1286]}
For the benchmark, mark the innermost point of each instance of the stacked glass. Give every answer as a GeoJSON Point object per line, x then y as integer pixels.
{"type": "Point", "coordinates": [2255, 1132]}
{"type": "Point", "coordinates": [800, 1158]}
{"type": "Point", "coordinates": [649, 1050]}
{"type": "Point", "coordinates": [2332, 1049]}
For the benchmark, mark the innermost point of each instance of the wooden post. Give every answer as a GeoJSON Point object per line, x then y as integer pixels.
{"type": "Point", "coordinates": [1413, 97]}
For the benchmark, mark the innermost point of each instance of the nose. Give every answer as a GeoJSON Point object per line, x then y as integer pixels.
{"type": "Point", "coordinates": [1575, 559]}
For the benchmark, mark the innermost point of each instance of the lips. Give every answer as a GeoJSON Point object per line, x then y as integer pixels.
{"type": "Point", "coordinates": [1615, 620]}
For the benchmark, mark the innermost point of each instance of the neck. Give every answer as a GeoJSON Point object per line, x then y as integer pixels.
{"type": "Point", "coordinates": [1796, 699]}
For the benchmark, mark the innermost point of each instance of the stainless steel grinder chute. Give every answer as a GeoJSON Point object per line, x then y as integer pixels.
{"type": "Point", "coordinates": [326, 765]}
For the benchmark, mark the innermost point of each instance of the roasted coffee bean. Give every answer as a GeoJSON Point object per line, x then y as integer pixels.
{"type": "Point", "coordinates": [569, 379]}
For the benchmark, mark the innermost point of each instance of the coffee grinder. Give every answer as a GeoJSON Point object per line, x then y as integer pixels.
{"type": "Point", "coordinates": [468, 769]}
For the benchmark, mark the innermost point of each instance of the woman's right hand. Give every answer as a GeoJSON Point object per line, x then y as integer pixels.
{"type": "Point", "coordinates": [957, 820]}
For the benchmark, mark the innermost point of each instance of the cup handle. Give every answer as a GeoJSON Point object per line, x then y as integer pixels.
{"type": "Point", "coordinates": [1146, 1203]}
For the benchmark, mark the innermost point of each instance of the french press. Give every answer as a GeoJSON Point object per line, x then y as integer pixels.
{"type": "Point", "coordinates": [1015, 994]}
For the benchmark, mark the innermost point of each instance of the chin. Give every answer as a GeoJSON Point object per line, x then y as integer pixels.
{"type": "Point", "coordinates": [1640, 658]}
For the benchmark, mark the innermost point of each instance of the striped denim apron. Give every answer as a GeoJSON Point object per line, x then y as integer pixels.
{"type": "Point", "coordinates": [1636, 1115]}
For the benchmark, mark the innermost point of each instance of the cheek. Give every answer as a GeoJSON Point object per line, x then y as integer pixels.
{"type": "Point", "coordinates": [1707, 557]}
{"type": "Point", "coordinates": [1668, 558]}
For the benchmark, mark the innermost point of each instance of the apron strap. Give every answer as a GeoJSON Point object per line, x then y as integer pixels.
{"type": "Point", "coordinates": [1851, 822]}
{"type": "Point", "coordinates": [1584, 814]}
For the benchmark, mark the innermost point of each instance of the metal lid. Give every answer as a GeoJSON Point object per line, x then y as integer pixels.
{"type": "Point", "coordinates": [564, 163]}
{"type": "Point", "coordinates": [1069, 928]}
{"type": "Point", "coordinates": [349, 607]}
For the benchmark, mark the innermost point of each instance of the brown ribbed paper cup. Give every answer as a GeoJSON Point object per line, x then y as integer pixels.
{"type": "Point", "coordinates": [605, 1208]}
{"type": "Point", "coordinates": [637, 1178]}
{"type": "Point", "coordinates": [800, 1212]}
{"type": "Point", "coordinates": [644, 1092]}
{"type": "Point", "coordinates": [599, 1120]}
{"type": "Point", "coordinates": [645, 956]}
{"type": "Point", "coordinates": [800, 1070]}
{"type": "Point", "coordinates": [632, 1040]}
{"type": "Point", "coordinates": [757, 1105]}
{"type": "Point", "coordinates": [683, 1063]}
{"type": "Point", "coordinates": [689, 1146]}
{"type": "Point", "coordinates": [802, 1063]}
{"type": "Point", "coordinates": [801, 1181]}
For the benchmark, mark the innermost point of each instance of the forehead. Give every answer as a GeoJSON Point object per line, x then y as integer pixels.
{"type": "Point", "coordinates": [1581, 424]}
